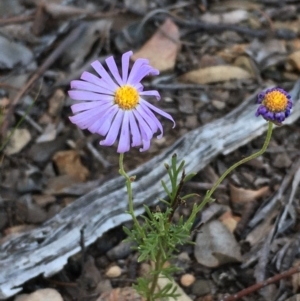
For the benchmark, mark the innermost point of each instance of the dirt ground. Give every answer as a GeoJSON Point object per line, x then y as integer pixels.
{"type": "Point", "coordinates": [212, 56]}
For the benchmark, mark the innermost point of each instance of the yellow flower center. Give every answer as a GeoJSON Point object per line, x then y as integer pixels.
{"type": "Point", "coordinates": [127, 97]}
{"type": "Point", "coordinates": [275, 101]}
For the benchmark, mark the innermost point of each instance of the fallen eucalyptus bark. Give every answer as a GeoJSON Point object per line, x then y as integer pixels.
{"type": "Point", "coordinates": [45, 250]}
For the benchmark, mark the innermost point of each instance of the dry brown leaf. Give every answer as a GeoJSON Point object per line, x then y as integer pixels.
{"type": "Point", "coordinates": [230, 53]}
{"type": "Point", "coordinates": [69, 163]}
{"type": "Point", "coordinates": [18, 141]}
{"type": "Point", "coordinates": [229, 220]}
{"type": "Point", "coordinates": [161, 50]}
{"type": "Point", "coordinates": [215, 74]}
{"type": "Point", "coordinates": [241, 195]}
{"type": "Point", "coordinates": [246, 63]}
{"type": "Point", "coordinates": [294, 59]}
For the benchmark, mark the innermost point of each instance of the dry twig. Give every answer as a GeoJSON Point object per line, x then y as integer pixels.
{"type": "Point", "coordinates": [254, 288]}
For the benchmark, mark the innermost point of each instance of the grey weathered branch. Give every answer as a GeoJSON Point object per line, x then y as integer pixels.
{"type": "Point", "coordinates": [45, 250]}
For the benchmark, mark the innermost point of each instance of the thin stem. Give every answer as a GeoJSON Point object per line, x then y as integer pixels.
{"type": "Point", "coordinates": [254, 288]}
{"type": "Point", "coordinates": [129, 193]}
{"type": "Point", "coordinates": [224, 175]}
{"type": "Point", "coordinates": [157, 270]}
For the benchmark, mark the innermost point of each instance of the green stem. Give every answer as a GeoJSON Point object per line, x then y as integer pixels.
{"type": "Point", "coordinates": [157, 269]}
{"type": "Point", "coordinates": [224, 175]}
{"type": "Point", "coordinates": [234, 166]}
{"type": "Point", "coordinates": [129, 193]}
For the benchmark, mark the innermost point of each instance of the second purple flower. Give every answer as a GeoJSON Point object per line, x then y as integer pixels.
{"type": "Point", "coordinates": [114, 106]}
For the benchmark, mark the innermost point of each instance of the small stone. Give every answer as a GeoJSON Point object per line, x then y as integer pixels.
{"type": "Point", "coordinates": [191, 122]}
{"type": "Point", "coordinates": [104, 286]}
{"type": "Point", "coordinates": [122, 250]}
{"type": "Point", "coordinates": [219, 105]}
{"type": "Point", "coordinates": [282, 161]}
{"type": "Point", "coordinates": [113, 272]}
{"type": "Point", "coordinates": [201, 287]}
{"type": "Point", "coordinates": [47, 294]}
{"type": "Point", "coordinates": [22, 297]}
{"type": "Point", "coordinates": [184, 256]}
{"type": "Point", "coordinates": [205, 117]}
{"type": "Point", "coordinates": [187, 280]}
{"type": "Point", "coordinates": [186, 105]}
{"type": "Point", "coordinates": [144, 269]}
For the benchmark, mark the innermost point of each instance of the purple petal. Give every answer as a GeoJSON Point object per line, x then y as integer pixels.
{"type": "Point", "coordinates": [104, 74]}
{"type": "Point", "coordinates": [104, 122]}
{"type": "Point", "coordinates": [143, 126]}
{"type": "Point", "coordinates": [89, 77]}
{"type": "Point", "coordinates": [139, 87]}
{"type": "Point", "coordinates": [146, 145]}
{"type": "Point", "coordinates": [260, 97]}
{"type": "Point", "coordinates": [82, 85]}
{"type": "Point", "coordinates": [124, 141]}
{"type": "Point", "coordinates": [146, 142]}
{"type": "Point", "coordinates": [135, 132]}
{"type": "Point", "coordinates": [142, 72]}
{"type": "Point", "coordinates": [78, 107]}
{"type": "Point", "coordinates": [153, 117]}
{"type": "Point", "coordinates": [158, 111]}
{"type": "Point", "coordinates": [111, 64]}
{"type": "Point", "coordinates": [107, 121]}
{"type": "Point", "coordinates": [85, 95]}
{"type": "Point", "coordinates": [151, 93]}
{"type": "Point", "coordinates": [279, 117]}
{"type": "Point", "coordinates": [135, 68]}
{"type": "Point", "coordinates": [269, 115]}
{"type": "Point", "coordinates": [261, 110]}
{"type": "Point", "coordinates": [114, 130]}
{"type": "Point", "coordinates": [125, 65]}
{"type": "Point", "coordinates": [147, 118]}
{"type": "Point", "coordinates": [85, 119]}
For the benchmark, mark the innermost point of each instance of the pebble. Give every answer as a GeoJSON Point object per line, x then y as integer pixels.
{"type": "Point", "coordinates": [282, 161]}
{"type": "Point", "coordinates": [144, 269]}
{"type": "Point", "coordinates": [113, 272]}
{"type": "Point", "coordinates": [201, 287]}
{"type": "Point", "coordinates": [219, 105]}
{"type": "Point", "coordinates": [187, 280]}
{"type": "Point", "coordinates": [104, 286]}
{"type": "Point", "coordinates": [122, 250]}
{"type": "Point", "coordinates": [186, 105]}
{"type": "Point", "coordinates": [191, 122]}
{"type": "Point", "coordinates": [47, 294]}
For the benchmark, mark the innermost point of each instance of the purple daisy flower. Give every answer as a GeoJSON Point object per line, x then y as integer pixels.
{"type": "Point", "coordinates": [114, 107]}
{"type": "Point", "coordinates": [275, 105]}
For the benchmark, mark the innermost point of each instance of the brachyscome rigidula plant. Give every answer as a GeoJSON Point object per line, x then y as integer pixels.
{"type": "Point", "coordinates": [114, 106]}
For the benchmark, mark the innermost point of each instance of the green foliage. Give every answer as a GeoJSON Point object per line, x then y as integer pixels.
{"type": "Point", "coordinates": [158, 237]}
